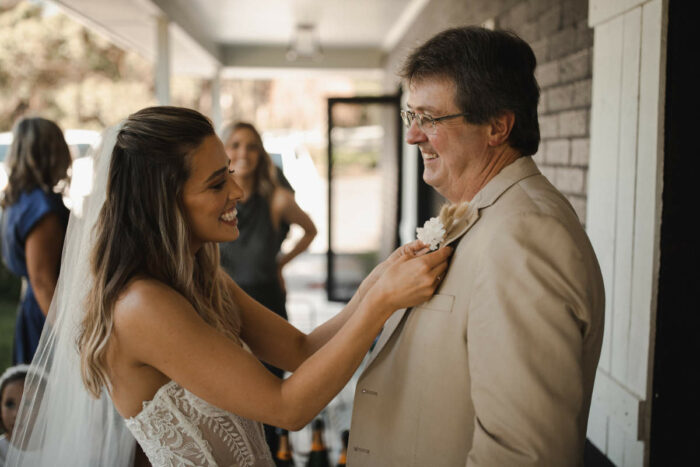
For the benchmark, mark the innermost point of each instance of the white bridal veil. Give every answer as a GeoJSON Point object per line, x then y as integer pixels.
{"type": "Point", "coordinates": [59, 423]}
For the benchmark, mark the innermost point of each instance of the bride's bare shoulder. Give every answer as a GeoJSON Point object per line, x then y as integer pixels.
{"type": "Point", "coordinates": [145, 300]}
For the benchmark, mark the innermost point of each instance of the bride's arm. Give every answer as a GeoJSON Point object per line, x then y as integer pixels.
{"type": "Point", "coordinates": [156, 326]}
{"type": "Point", "coordinates": [277, 342]}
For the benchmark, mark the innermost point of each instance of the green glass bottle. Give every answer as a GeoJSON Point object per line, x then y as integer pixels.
{"type": "Point", "coordinates": [318, 457]}
{"type": "Point", "coordinates": [342, 459]}
{"type": "Point", "coordinates": [284, 453]}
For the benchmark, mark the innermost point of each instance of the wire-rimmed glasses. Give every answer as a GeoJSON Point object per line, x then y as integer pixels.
{"type": "Point", "coordinates": [428, 125]}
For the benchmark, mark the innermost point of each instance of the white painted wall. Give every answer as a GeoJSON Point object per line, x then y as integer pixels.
{"type": "Point", "coordinates": [409, 185]}
{"type": "Point", "coordinates": [624, 212]}
{"type": "Point", "coordinates": [163, 60]}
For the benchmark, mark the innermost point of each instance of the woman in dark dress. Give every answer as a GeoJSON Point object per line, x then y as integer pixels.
{"type": "Point", "coordinates": [34, 223]}
{"type": "Point", "coordinates": [265, 213]}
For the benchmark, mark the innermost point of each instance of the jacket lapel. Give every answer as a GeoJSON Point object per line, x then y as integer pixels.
{"type": "Point", "coordinates": [393, 323]}
{"type": "Point", "coordinates": [389, 327]}
{"type": "Point", "coordinates": [522, 168]}
{"type": "Point", "coordinates": [461, 226]}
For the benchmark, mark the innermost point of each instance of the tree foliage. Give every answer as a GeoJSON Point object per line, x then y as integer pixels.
{"type": "Point", "coordinates": [52, 66]}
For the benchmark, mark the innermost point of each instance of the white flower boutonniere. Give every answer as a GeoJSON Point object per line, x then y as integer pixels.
{"type": "Point", "coordinates": [437, 229]}
{"type": "Point", "coordinates": [432, 233]}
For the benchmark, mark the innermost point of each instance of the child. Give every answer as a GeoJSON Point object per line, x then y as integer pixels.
{"type": "Point", "coordinates": [11, 389]}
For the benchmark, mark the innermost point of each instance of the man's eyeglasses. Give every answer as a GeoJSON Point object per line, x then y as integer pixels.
{"type": "Point", "coordinates": [428, 125]}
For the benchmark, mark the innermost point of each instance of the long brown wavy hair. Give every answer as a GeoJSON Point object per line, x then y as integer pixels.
{"type": "Point", "coordinates": [141, 230]}
{"type": "Point", "coordinates": [38, 158]}
{"type": "Point", "coordinates": [265, 174]}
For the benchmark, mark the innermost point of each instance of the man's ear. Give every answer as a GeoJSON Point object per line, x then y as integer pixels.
{"type": "Point", "coordinates": [500, 128]}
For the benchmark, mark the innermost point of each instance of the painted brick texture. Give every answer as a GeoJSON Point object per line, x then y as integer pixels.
{"type": "Point", "coordinates": [558, 32]}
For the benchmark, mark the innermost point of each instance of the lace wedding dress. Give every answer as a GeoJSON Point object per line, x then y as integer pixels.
{"type": "Point", "coordinates": [177, 428]}
{"type": "Point", "coordinates": [60, 424]}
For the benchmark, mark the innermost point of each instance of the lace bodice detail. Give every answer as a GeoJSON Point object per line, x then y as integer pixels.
{"type": "Point", "coordinates": [177, 428]}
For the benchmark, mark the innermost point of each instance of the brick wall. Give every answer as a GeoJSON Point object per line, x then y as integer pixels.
{"type": "Point", "coordinates": [437, 16]}
{"type": "Point", "coordinates": [559, 34]}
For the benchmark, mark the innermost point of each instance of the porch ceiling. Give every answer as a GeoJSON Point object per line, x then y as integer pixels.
{"type": "Point", "coordinates": [252, 37]}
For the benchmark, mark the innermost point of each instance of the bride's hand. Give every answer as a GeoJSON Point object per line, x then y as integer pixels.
{"type": "Point", "coordinates": [415, 248]}
{"type": "Point", "coordinates": [410, 277]}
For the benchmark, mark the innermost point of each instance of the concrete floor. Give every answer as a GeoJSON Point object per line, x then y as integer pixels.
{"type": "Point", "coordinates": [307, 308]}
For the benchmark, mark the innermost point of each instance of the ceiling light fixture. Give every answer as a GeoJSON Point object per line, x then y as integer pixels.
{"type": "Point", "coordinates": [305, 44]}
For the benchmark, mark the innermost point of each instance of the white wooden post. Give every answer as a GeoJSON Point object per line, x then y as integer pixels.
{"type": "Point", "coordinates": [162, 61]}
{"type": "Point", "coordinates": [624, 213]}
{"type": "Point", "coordinates": [409, 187]}
{"type": "Point", "coordinates": [216, 116]}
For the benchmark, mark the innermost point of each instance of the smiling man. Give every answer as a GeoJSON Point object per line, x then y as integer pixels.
{"type": "Point", "coordinates": [497, 368]}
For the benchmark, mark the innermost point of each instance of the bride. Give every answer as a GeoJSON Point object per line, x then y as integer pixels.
{"type": "Point", "coordinates": [164, 336]}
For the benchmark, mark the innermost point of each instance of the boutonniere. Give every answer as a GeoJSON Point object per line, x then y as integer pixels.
{"type": "Point", "coordinates": [432, 233]}
{"type": "Point", "coordinates": [437, 229]}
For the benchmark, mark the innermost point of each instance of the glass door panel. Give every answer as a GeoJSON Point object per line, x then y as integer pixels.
{"type": "Point", "coordinates": [364, 175]}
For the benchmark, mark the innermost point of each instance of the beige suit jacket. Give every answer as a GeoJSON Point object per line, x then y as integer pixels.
{"type": "Point", "coordinates": [497, 368]}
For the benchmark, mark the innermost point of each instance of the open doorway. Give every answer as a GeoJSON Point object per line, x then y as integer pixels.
{"type": "Point", "coordinates": [364, 189]}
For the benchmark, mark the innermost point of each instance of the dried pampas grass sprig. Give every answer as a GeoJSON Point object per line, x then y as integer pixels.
{"type": "Point", "coordinates": [451, 213]}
